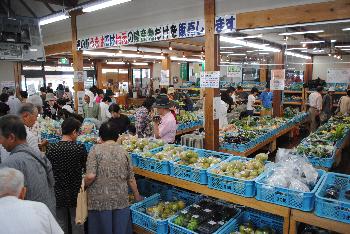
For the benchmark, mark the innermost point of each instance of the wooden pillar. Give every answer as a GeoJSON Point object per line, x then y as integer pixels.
{"type": "Point", "coordinates": [77, 56]}
{"type": "Point", "coordinates": [211, 64]}
{"type": "Point", "coordinates": [166, 63]}
{"type": "Point", "coordinates": [308, 70]}
{"type": "Point", "coordinates": [99, 75]}
{"type": "Point", "coordinates": [277, 94]}
{"type": "Point", "coordinates": [263, 73]}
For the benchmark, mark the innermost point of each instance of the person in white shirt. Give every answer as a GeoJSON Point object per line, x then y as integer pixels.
{"type": "Point", "coordinates": [222, 112]}
{"type": "Point", "coordinates": [13, 102]}
{"type": "Point", "coordinates": [29, 116]}
{"type": "Point", "coordinates": [104, 113]}
{"type": "Point", "coordinates": [251, 101]}
{"type": "Point", "coordinates": [18, 215]}
{"type": "Point", "coordinates": [315, 103]}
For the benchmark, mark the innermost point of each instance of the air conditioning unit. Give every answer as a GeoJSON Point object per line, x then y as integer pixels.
{"type": "Point", "coordinates": [20, 39]}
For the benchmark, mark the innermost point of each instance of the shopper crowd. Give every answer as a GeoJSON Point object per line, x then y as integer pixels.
{"type": "Point", "coordinates": [40, 190]}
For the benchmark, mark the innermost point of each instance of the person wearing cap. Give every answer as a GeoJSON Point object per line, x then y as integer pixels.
{"type": "Point", "coordinates": [90, 108]}
{"type": "Point", "coordinates": [50, 106]}
{"type": "Point", "coordinates": [165, 126]}
{"type": "Point", "coordinates": [327, 105]}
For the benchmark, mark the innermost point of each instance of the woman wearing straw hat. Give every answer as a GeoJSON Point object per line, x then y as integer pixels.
{"type": "Point", "coordinates": [165, 124]}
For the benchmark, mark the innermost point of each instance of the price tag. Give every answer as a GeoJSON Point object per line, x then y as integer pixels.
{"type": "Point", "coordinates": [195, 216]}
{"type": "Point", "coordinates": [207, 210]}
{"type": "Point", "coordinates": [184, 212]}
{"type": "Point", "coordinates": [211, 222]}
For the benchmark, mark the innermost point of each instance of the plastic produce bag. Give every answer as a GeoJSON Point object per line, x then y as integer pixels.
{"type": "Point", "coordinates": [297, 185]}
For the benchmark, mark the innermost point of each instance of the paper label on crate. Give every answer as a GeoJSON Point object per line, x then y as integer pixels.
{"type": "Point", "coordinates": [221, 223]}
{"type": "Point", "coordinates": [195, 216]}
{"type": "Point", "coordinates": [207, 210]}
{"type": "Point", "coordinates": [211, 222]}
{"type": "Point", "coordinates": [184, 212]}
{"type": "Point", "coordinates": [196, 206]}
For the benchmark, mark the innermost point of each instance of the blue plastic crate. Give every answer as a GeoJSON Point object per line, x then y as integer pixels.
{"type": "Point", "coordinates": [134, 159]}
{"type": "Point", "coordinates": [229, 227]}
{"type": "Point", "coordinates": [151, 224]}
{"type": "Point", "coordinates": [88, 146]}
{"type": "Point", "coordinates": [148, 188]}
{"type": "Point", "coordinates": [192, 174]}
{"type": "Point", "coordinates": [339, 209]}
{"type": "Point", "coordinates": [321, 162]}
{"type": "Point", "coordinates": [285, 197]}
{"type": "Point", "coordinates": [52, 140]}
{"type": "Point", "coordinates": [157, 166]}
{"type": "Point", "coordinates": [261, 220]}
{"type": "Point", "coordinates": [245, 188]}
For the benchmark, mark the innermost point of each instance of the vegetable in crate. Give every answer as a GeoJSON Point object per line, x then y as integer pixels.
{"type": "Point", "coordinates": [169, 153]}
{"type": "Point", "coordinates": [164, 210]}
{"type": "Point", "coordinates": [248, 228]}
{"type": "Point", "coordinates": [191, 158]}
{"type": "Point", "coordinates": [247, 170]}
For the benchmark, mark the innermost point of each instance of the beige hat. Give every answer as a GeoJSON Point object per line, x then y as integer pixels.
{"type": "Point", "coordinates": [171, 90]}
{"type": "Point", "coordinates": [50, 97]}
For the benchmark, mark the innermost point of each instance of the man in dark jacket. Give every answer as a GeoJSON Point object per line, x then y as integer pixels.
{"type": "Point", "coordinates": [38, 175]}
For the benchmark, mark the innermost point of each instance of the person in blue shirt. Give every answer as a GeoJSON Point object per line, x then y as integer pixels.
{"type": "Point", "coordinates": [266, 99]}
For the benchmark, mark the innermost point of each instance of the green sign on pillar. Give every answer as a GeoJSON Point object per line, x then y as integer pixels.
{"type": "Point", "coordinates": [63, 61]}
{"type": "Point", "coordinates": [183, 71]}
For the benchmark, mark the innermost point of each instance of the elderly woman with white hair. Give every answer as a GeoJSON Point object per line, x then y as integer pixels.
{"type": "Point", "coordinates": [90, 108]}
{"type": "Point", "coordinates": [18, 215]}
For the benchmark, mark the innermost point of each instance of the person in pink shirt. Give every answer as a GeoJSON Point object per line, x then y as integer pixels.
{"type": "Point", "coordinates": [164, 125]}
{"type": "Point", "coordinates": [100, 96]}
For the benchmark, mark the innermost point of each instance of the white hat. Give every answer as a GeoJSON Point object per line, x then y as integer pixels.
{"type": "Point", "coordinates": [331, 89]}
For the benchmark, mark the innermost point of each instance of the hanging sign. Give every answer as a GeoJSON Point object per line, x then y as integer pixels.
{"type": "Point", "coordinates": [277, 79]}
{"type": "Point", "coordinates": [182, 29]}
{"type": "Point", "coordinates": [183, 71]}
{"type": "Point", "coordinates": [234, 72]}
{"type": "Point", "coordinates": [164, 77]}
{"type": "Point", "coordinates": [80, 76]}
{"type": "Point", "coordinates": [7, 84]}
{"type": "Point", "coordinates": [338, 75]}
{"type": "Point", "coordinates": [210, 79]}
{"type": "Point", "coordinates": [31, 89]}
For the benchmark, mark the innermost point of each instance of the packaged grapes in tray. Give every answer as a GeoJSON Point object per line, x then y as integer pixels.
{"type": "Point", "coordinates": [154, 212]}
{"type": "Point", "coordinates": [237, 175]}
{"type": "Point", "coordinates": [158, 160]}
{"type": "Point", "coordinates": [333, 198]}
{"type": "Point", "coordinates": [193, 164]}
{"type": "Point", "coordinates": [206, 217]}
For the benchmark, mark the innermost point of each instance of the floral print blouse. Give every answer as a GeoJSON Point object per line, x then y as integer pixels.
{"type": "Point", "coordinates": [143, 122]}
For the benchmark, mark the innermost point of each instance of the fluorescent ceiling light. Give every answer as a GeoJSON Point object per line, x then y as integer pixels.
{"type": "Point", "coordinates": [297, 25]}
{"type": "Point", "coordinates": [174, 58]}
{"type": "Point", "coordinates": [101, 5]}
{"type": "Point", "coordinates": [248, 44]}
{"type": "Point", "coordinates": [345, 49]}
{"type": "Point", "coordinates": [311, 42]}
{"type": "Point", "coordinates": [296, 48]}
{"type": "Point", "coordinates": [250, 51]}
{"type": "Point", "coordinates": [346, 29]}
{"type": "Point", "coordinates": [230, 47]}
{"type": "Point", "coordinates": [248, 37]}
{"type": "Point", "coordinates": [297, 55]}
{"type": "Point", "coordinates": [88, 68]}
{"type": "Point", "coordinates": [32, 68]}
{"type": "Point", "coordinates": [108, 70]}
{"type": "Point", "coordinates": [53, 18]}
{"type": "Point", "coordinates": [318, 51]}
{"type": "Point", "coordinates": [116, 63]}
{"type": "Point", "coordinates": [33, 50]}
{"type": "Point", "coordinates": [301, 33]}
{"type": "Point", "coordinates": [60, 68]}
{"type": "Point", "coordinates": [263, 53]}
{"type": "Point", "coordinates": [140, 64]}
{"type": "Point", "coordinates": [225, 52]}
{"type": "Point", "coordinates": [333, 41]}
{"type": "Point", "coordinates": [123, 71]}
{"type": "Point", "coordinates": [304, 51]}
{"type": "Point", "coordinates": [153, 57]}
{"type": "Point", "coordinates": [345, 46]}
{"type": "Point", "coordinates": [237, 54]}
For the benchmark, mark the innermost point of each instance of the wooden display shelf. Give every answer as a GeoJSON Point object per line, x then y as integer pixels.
{"type": "Point", "coordinates": [271, 140]}
{"type": "Point", "coordinates": [293, 103]}
{"type": "Point", "coordinates": [193, 88]}
{"type": "Point", "coordinates": [203, 189]}
{"type": "Point", "coordinates": [337, 92]}
{"type": "Point", "coordinates": [311, 219]}
{"type": "Point", "coordinates": [187, 130]}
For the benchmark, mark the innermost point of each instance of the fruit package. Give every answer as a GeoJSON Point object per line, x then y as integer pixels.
{"type": "Point", "coordinates": [133, 144]}
{"type": "Point", "coordinates": [165, 209]}
{"type": "Point", "coordinates": [168, 153]}
{"type": "Point", "coordinates": [205, 217]}
{"type": "Point", "coordinates": [191, 158]}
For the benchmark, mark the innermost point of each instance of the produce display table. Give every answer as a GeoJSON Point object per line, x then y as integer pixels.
{"type": "Point", "coordinates": [271, 141]}
{"type": "Point", "coordinates": [311, 219]}
{"type": "Point", "coordinates": [203, 189]}
{"type": "Point", "coordinates": [187, 130]}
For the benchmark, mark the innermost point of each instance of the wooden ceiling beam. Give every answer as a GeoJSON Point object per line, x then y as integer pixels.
{"type": "Point", "coordinates": [60, 48]}
{"type": "Point", "coordinates": [308, 13]}
{"type": "Point", "coordinates": [188, 42]}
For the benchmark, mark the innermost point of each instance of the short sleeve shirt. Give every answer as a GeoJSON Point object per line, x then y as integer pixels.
{"type": "Point", "coordinates": [167, 128]}
{"type": "Point", "coordinates": [251, 101]}
{"type": "Point", "coordinates": [112, 166]}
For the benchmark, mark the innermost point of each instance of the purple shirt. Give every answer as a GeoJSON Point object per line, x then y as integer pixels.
{"type": "Point", "coordinates": [167, 128]}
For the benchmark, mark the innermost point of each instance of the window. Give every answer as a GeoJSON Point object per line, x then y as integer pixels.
{"type": "Point", "coordinates": [141, 80]}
